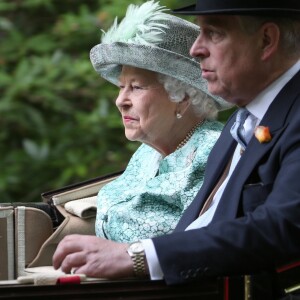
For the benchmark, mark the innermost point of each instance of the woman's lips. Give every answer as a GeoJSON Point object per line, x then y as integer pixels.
{"type": "Point", "coordinates": [128, 119]}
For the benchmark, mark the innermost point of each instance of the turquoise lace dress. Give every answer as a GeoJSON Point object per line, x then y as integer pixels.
{"type": "Point", "coordinates": [150, 196]}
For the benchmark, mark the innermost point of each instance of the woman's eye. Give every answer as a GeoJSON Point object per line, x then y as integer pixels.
{"type": "Point", "coordinates": [136, 87]}
{"type": "Point", "coordinates": [131, 87]}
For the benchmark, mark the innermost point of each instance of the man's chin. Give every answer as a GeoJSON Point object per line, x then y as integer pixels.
{"type": "Point", "coordinates": [215, 90]}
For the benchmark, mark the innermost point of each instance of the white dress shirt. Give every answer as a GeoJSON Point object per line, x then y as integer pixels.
{"type": "Point", "coordinates": [257, 109]}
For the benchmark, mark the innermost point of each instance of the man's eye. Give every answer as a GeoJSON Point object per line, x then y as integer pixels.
{"type": "Point", "coordinates": [215, 35]}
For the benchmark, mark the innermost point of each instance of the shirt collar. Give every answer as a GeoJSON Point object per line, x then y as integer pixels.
{"type": "Point", "coordinates": [261, 103]}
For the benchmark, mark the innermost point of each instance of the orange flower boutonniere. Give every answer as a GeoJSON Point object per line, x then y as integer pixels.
{"type": "Point", "coordinates": [262, 133]}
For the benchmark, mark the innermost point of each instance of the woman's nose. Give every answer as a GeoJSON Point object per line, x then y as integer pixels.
{"type": "Point", "coordinates": [123, 98]}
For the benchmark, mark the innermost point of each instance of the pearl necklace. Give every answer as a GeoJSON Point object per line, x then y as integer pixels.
{"type": "Point", "coordinates": [189, 134]}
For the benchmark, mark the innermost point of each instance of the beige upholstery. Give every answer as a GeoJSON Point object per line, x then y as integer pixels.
{"type": "Point", "coordinates": [27, 237]}
{"type": "Point", "coordinates": [71, 225]}
{"type": "Point", "coordinates": [32, 227]}
{"type": "Point", "coordinates": [6, 243]}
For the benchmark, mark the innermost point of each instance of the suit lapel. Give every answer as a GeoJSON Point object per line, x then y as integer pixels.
{"type": "Point", "coordinates": [223, 150]}
{"type": "Point", "coordinates": [275, 118]}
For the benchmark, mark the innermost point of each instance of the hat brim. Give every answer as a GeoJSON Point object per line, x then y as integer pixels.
{"type": "Point", "coordinates": [108, 59]}
{"type": "Point", "coordinates": [231, 8]}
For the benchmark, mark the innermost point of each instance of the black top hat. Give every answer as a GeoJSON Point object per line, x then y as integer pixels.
{"type": "Point", "coordinates": [286, 8]}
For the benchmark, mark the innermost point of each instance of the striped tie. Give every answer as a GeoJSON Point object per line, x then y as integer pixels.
{"type": "Point", "coordinates": [237, 130]}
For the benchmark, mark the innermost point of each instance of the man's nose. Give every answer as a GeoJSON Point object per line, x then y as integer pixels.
{"type": "Point", "coordinates": [198, 49]}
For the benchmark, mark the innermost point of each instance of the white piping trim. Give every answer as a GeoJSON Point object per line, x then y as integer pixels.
{"type": "Point", "coordinates": [81, 192]}
{"type": "Point", "coordinates": [10, 245]}
{"type": "Point", "coordinates": [21, 241]}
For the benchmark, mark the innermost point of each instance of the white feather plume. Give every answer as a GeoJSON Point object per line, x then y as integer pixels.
{"type": "Point", "coordinates": [141, 25]}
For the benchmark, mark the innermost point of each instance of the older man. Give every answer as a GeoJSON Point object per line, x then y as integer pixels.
{"type": "Point", "coordinates": [246, 217]}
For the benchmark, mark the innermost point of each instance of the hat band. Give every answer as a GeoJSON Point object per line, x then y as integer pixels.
{"type": "Point", "coordinates": [217, 5]}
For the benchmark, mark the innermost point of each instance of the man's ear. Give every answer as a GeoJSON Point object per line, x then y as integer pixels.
{"type": "Point", "coordinates": [269, 39]}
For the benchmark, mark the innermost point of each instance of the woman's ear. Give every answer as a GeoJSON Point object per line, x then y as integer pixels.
{"type": "Point", "coordinates": [269, 39]}
{"type": "Point", "coordinates": [183, 105]}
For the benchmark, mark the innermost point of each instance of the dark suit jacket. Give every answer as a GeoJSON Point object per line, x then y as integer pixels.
{"type": "Point", "coordinates": [257, 223]}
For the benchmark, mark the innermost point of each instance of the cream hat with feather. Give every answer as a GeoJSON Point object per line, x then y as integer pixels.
{"type": "Point", "coordinates": [148, 38]}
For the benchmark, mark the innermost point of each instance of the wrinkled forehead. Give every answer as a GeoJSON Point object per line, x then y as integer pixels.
{"type": "Point", "coordinates": [133, 73]}
{"type": "Point", "coordinates": [222, 21]}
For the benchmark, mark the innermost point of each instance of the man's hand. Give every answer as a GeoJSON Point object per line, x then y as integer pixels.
{"type": "Point", "coordinates": [93, 256]}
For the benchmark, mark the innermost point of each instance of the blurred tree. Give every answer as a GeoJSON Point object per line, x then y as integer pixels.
{"type": "Point", "coordinates": [59, 124]}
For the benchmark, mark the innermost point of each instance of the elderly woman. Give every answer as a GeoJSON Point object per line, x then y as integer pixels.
{"type": "Point", "coordinates": [164, 105]}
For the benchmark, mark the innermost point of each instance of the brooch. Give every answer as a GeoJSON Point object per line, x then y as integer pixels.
{"type": "Point", "coordinates": [263, 134]}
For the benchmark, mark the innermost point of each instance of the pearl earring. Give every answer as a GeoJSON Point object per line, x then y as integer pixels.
{"type": "Point", "coordinates": [178, 116]}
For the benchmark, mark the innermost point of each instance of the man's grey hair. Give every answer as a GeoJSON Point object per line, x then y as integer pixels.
{"type": "Point", "coordinates": [289, 29]}
{"type": "Point", "coordinates": [203, 104]}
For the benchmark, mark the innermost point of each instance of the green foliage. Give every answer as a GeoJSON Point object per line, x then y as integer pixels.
{"type": "Point", "coordinates": [59, 124]}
